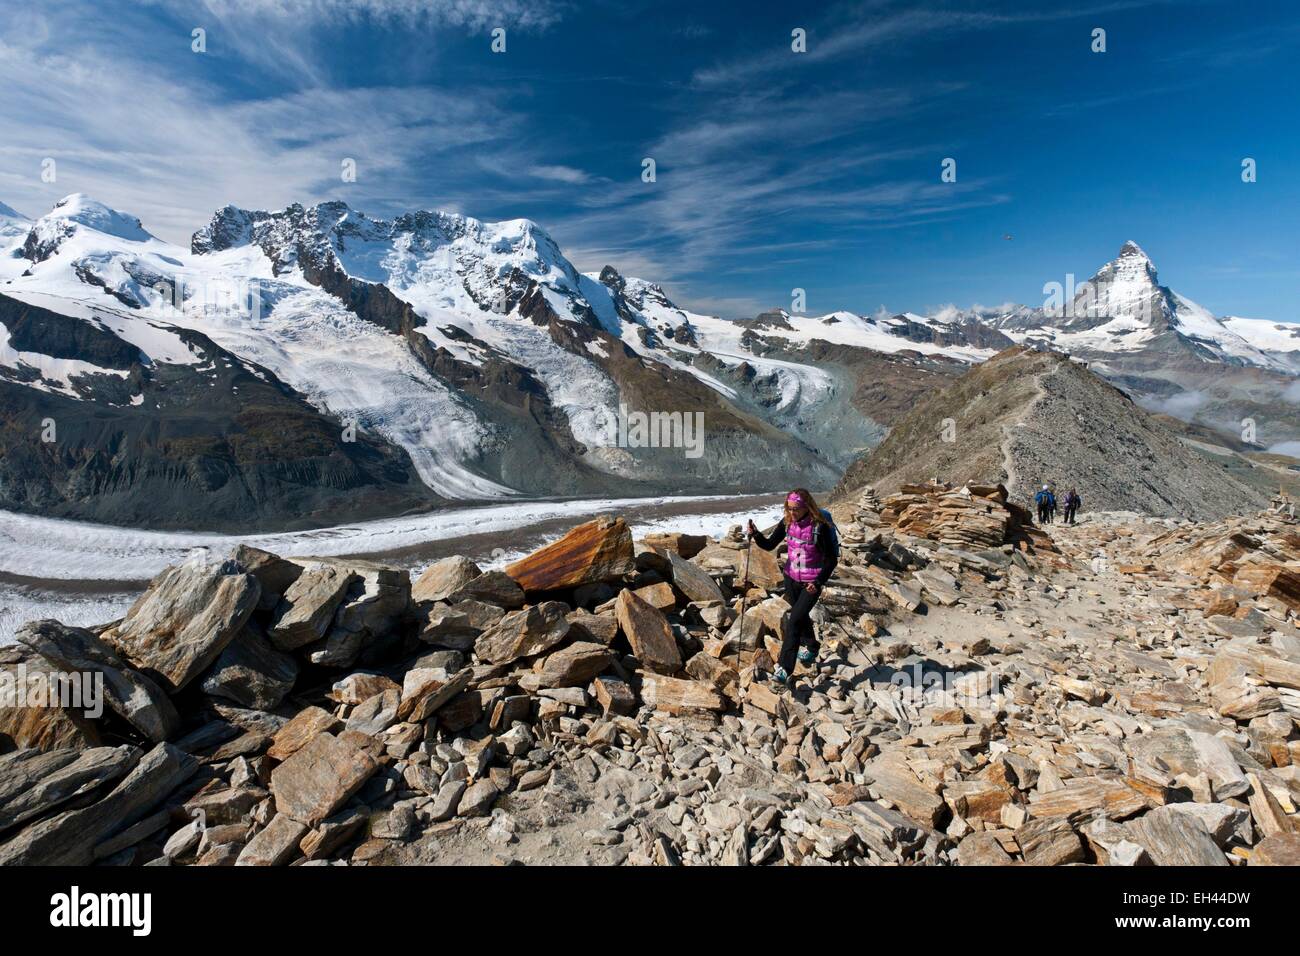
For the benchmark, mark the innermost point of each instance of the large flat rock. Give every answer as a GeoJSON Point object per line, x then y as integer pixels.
{"type": "Point", "coordinates": [600, 550]}
{"type": "Point", "coordinates": [185, 620]}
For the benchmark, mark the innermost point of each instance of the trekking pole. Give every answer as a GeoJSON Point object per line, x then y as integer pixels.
{"type": "Point", "coordinates": [744, 599]}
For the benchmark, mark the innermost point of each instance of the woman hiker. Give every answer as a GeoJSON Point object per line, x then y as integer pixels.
{"type": "Point", "coordinates": [813, 548]}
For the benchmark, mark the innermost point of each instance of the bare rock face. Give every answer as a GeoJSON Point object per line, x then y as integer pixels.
{"type": "Point", "coordinates": [377, 598]}
{"type": "Point", "coordinates": [185, 620]}
{"type": "Point", "coordinates": [32, 782]}
{"type": "Point", "coordinates": [444, 578]}
{"type": "Point", "coordinates": [648, 632]}
{"type": "Point", "coordinates": [693, 581]}
{"type": "Point", "coordinates": [524, 633]}
{"type": "Point", "coordinates": [251, 673]}
{"type": "Point", "coordinates": [26, 719]}
{"type": "Point", "coordinates": [127, 692]}
{"type": "Point", "coordinates": [274, 573]}
{"type": "Point", "coordinates": [304, 614]}
{"type": "Point", "coordinates": [319, 778]}
{"type": "Point", "coordinates": [494, 587]}
{"type": "Point", "coordinates": [70, 838]}
{"type": "Point", "coordinates": [574, 665]}
{"type": "Point", "coordinates": [600, 550]}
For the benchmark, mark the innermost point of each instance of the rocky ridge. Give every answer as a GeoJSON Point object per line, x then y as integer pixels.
{"type": "Point", "coordinates": [1123, 691]}
{"type": "Point", "coordinates": [1030, 418]}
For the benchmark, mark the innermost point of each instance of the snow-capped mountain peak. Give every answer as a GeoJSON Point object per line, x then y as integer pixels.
{"type": "Point", "coordinates": [79, 209]}
{"type": "Point", "coordinates": [79, 213]}
{"type": "Point", "coordinates": [1131, 250]}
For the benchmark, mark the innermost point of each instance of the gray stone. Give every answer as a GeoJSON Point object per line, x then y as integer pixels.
{"type": "Point", "coordinates": [251, 673]}
{"type": "Point", "coordinates": [478, 799]}
{"type": "Point", "coordinates": [33, 783]}
{"type": "Point", "coordinates": [276, 844]}
{"type": "Point", "coordinates": [444, 578]}
{"type": "Point", "coordinates": [70, 838]}
{"type": "Point", "coordinates": [185, 620]}
{"type": "Point", "coordinates": [304, 614]}
{"type": "Point", "coordinates": [524, 633]}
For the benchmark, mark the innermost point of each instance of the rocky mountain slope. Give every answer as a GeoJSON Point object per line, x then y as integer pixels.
{"type": "Point", "coordinates": [92, 426]}
{"type": "Point", "coordinates": [1026, 418]}
{"type": "Point", "coordinates": [476, 349]}
{"type": "Point", "coordinates": [986, 694]}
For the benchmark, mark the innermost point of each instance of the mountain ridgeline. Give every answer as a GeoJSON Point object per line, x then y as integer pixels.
{"type": "Point", "coordinates": [1026, 418]}
{"type": "Point", "coordinates": [315, 365]}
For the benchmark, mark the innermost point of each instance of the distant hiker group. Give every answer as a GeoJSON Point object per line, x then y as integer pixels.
{"type": "Point", "coordinates": [1045, 499]}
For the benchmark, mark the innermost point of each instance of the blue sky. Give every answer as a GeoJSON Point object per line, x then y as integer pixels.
{"type": "Point", "coordinates": [775, 170]}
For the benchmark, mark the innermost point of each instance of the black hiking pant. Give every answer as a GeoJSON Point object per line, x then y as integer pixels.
{"type": "Point", "coordinates": [1070, 512]}
{"type": "Point", "coordinates": [1042, 514]}
{"type": "Point", "coordinates": [798, 625]}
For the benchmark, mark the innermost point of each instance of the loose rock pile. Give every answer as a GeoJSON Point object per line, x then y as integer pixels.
{"type": "Point", "coordinates": [980, 697]}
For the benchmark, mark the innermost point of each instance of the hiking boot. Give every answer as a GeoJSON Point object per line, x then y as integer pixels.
{"type": "Point", "coordinates": [780, 679]}
{"type": "Point", "coordinates": [807, 656]}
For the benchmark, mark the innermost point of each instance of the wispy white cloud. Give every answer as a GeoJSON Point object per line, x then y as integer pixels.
{"type": "Point", "coordinates": [475, 14]}
{"type": "Point", "coordinates": [172, 154]}
{"type": "Point", "coordinates": [840, 35]}
{"type": "Point", "coordinates": [563, 174]}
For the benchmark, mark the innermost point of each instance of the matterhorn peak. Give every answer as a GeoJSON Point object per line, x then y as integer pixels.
{"type": "Point", "coordinates": [1132, 249]}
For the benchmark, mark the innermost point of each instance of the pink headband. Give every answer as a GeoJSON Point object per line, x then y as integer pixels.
{"type": "Point", "coordinates": [794, 498]}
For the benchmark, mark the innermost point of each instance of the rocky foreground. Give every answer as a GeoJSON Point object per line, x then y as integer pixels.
{"type": "Point", "coordinates": [1125, 691]}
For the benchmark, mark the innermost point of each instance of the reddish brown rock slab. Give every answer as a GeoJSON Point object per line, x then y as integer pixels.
{"type": "Point", "coordinates": [319, 778]}
{"type": "Point", "coordinates": [1281, 849]}
{"type": "Point", "coordinates": [574, 665]}
{"type": "Point", "coordinates": [425, 690]}
{"type": "Point", "coordinates": [660, 595]}
{"type": "Point", "coordinates": [26, 721]}
{"type": "Point", "coordinates": [1114, 798]}
{"type": "Point", "coordinates": [276, 844]}
{"type": "Point", "coordinates": [686, 545]}
{"type": "Point", "coordinates": [614, 695]}
{"type": "Point", "coordinates": [675, 696]}
{"type": "Point", "coordinates": [308, 723]}
{"type": "Point", "coordinates": [1270, 580]}
{"type": "Point", "coordinates": [600, 550]}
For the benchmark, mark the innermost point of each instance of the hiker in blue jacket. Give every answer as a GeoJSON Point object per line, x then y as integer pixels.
{"type": "Point", "coordinates": [1046, 502]}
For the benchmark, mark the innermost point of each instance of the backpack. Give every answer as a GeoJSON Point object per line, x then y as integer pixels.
{"type": "Point", "coordinates": [831, 547]}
